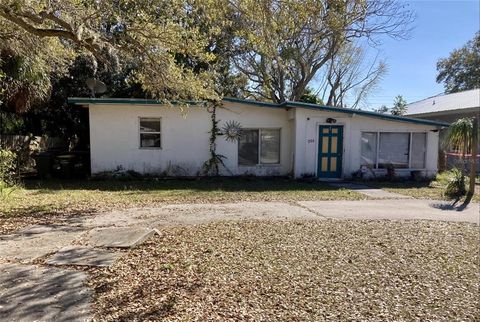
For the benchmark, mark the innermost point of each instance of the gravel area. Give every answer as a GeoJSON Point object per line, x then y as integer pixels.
{"type": "Point", "coordinates": [296, 271]}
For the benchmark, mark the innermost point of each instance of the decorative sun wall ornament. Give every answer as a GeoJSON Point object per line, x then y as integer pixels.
{"type": "Point", "coordinates": [232, 130]}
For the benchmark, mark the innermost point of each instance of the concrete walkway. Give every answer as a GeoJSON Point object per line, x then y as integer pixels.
{"type": "Point", "coordinates": [32, 293]}
{"type": "Point", "coordinates": [371, 192]}
{"type": "Point", "coordinates": [44, 293]}
{"type": "Point", "coordinates": [398, 209]}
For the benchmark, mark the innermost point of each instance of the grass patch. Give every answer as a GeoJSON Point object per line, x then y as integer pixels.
{"type": "Point", "coordinates": [296, 271]}
{"type": "Point", "coordinates": [434, 189]}
{"type": "Point", "coordinates": [44, 201]}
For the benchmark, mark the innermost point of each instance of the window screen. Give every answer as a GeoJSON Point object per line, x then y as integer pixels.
{"type": "Point", "coordinates": [150, 133]}
{"type": "Point", "coordinates": [393, 150]}
{"type": "Point", "coordinates": [269, 146]}
{"type": "Point", "coordinates": [369, 148]}
{"type": "Point", "coordinates": [419, 144]}
{"type": "Point", "coordinates": [248, 148]}
{"type": "Point", "coordinates": [259, 146]}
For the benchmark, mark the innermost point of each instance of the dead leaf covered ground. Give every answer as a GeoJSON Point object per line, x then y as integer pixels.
{"type": "Point", "coordinates": [56, 201]}
{"type": "Point", "coordinates": [297, 271]}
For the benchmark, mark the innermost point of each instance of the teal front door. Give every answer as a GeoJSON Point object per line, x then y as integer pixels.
{"type": "Point", "coordinates": [330, 148]}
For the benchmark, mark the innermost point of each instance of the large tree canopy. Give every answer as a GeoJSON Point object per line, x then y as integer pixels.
{"type": "Point", "coordinates": [349, 75]}
{"type": "Point", "coordinates": [203, 49]}
{"type": "Point", "coordinates": [461, 70]}
{"type": "Point", "coordinates": [284, 44]}
{"type": "Point", "coordinates": [154, 33]}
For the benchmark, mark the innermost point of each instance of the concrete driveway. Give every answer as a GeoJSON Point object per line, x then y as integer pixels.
{"type": "Point", "coordinates": [191, 214]}
{"type": "Point", "coordinates": [398, 209]}
{"type": "Point", "coordinates": [43, 292]}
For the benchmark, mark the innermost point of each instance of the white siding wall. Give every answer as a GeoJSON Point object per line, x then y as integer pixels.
{"type": "Point", "coordinates": [114, 137]}
{"type": "Point", "coordinates": [307, 140]}
{"type": "Point", "coordinates": [254, 117]}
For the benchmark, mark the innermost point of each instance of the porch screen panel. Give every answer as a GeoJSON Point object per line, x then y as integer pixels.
{"type": "Point", "coordinates": [269, 146]}
{"type": "Point", "coordinates": [419, 147]}
{"type": "Point", "coordinates": [369, 148]}
{"type": "Point", "coordinates": [393, 150]}
{"type": "Point", "coordinates": [248, 148]}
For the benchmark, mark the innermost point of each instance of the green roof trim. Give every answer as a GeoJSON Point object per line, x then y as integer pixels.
{"type": "Point", "coordinates": [367, 113]}
{"type": "Point", "coordinates": [284, 105]}
{"type": "Point", "coordinates": [252, 102]}
{"type": "Point", "coordinates": [289, 104]}
{"type": "Point", "coordinates": [133, 101]}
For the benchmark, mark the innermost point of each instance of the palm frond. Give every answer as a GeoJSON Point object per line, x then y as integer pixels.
{"type": "Point", "coordinates": [460, 134]}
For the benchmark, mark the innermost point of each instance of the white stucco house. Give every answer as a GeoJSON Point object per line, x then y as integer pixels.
{"type": "Point", "coordinates": [290, 138]}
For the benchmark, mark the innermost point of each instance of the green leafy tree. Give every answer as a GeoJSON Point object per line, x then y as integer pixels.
{"type": "Point", "coordinates": [153, 33]}
{"type": "Point", "coordinates": [383, 109]}
{"type": "Point", "coordinates": [283, 45]}
{"type": "Point", "coordinates": [309, 96]}
{"type": "Point", "coordinates": [463, 134]}
{"type": "Point", "coordinates": [461, 70]}
{"type": "Point", "coordinates": [399, 106]}
{"type": "Point", "coordinates": [25, 79]}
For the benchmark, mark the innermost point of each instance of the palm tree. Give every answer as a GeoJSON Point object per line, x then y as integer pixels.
{"type": "Point", "coordinates": [463, 134]}
{"type": "Point", "coordinates": [24, 80]}
{"type": "Point", "coordinates": [473, 161]}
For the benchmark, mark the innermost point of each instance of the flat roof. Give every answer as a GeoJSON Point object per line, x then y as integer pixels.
{"type": "Point", "coordinates": [284, 105]}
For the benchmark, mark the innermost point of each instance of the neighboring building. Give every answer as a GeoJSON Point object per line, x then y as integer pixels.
{"type": "Point", "coordinates": [291, 138]}
{"type": "Point", "coordinates": [447, 108]}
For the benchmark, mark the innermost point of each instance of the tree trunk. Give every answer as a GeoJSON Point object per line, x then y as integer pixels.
{"type": "Point", "coordinates": [464, 153]}
{"type": "Point", "coordinates": [442, 160]}
{"type": "Point", "coordinates": [473, 162]}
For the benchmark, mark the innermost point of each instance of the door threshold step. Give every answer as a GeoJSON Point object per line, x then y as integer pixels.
{"type": "Point", "coordinates": [336, 180]}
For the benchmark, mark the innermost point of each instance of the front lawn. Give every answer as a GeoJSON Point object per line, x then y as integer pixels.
{"type": "Point", "coordinates": [421, 190]}
{"type": "Point", "coordinates": [296, 271]}
{"type": "Point", "coordinates": [54, 200]}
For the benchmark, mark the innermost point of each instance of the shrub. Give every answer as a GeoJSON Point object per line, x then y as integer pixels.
{"type": "Point", "coordinates": [6, 190]}
{"type": "Point", "coordinates": [7, 173]}
{"type": "Point", "coordinates": [118, 174]}
{"type": "Point", "coordinates": [8, 167]}
{"type": "Point", "coordinates": [444, 177]}
{"type": "Point", "coordinates": [456, 185]}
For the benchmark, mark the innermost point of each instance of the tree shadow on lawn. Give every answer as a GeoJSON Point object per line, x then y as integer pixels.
{"type": "Point", "coordinates": [204, 185]}
{"type": "Point", "coordinates": [405, 184]}
{"type": "Point", "coordinates": [41, 294]}
{"type": "Point", "coordinates": [21, 217]}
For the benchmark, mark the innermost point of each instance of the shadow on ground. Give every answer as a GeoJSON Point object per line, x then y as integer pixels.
{"type": "Point", "coordinates": [204, 184]}
{"type": "Point", "coordinates": [453, 206]}
{"type": "Point", "coordinates": [234, 184]}
{"type": "Point", "coordinates": [30, 293]}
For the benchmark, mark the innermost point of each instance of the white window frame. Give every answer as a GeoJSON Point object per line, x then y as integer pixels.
{"type": "Point", "coordinates": [410, 138]}
{"type": "Point", "coordinates": [140, 132]}
{"type": "Point", "coordinates": [259, 163]}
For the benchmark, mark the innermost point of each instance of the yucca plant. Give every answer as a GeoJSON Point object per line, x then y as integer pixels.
{"type": "Point", "coordinates": [455, 188]}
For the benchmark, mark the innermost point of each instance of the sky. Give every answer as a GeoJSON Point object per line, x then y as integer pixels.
{"type": "Point", "coordinates": [440, 27]}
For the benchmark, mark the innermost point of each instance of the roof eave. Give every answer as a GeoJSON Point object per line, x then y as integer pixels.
{"type": "Point", "coordinates": [367, 113]}
{"type": "Point", "coordinates": [285, 105]}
